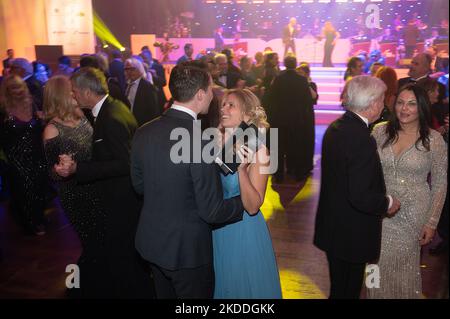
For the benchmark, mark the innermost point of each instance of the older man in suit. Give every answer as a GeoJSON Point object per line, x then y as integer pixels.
{"type": "Point", "coordinates": [353, 197]}
{"type": "Point", "coordinates": [109, 171]}
{"type": "Point", "coordinates": [141, 93]}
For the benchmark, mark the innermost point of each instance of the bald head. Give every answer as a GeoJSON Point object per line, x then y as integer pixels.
{"type": "Point", "coordinates": [420, 65]}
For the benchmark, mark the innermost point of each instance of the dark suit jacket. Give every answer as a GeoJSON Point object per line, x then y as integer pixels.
{"type": "Point", "coordinates": [352, 194]}
{"type": "Point", "coordinates": [36, 91]}
{"type": "Point", "coordinates": [116, 71]}
{"type": "Point", "coordinates": [441, 64]}
{"type": "Point", "coordinates": [6, 63]}
{"type": "Point", "coordinates": [232, 80]}
{"type": "Point", "coordinates": [159, 81]}
{"type": "Point", "coordinates": [146, 106]}
{"type": "Point", "coordinates": [184, 58]}
{"type": "Point", "coordinates": [115, 92]}
{"type": "Point", "coordinates": [290, 101]}
{"type": "Point", "coordinates": [287, 37]}
{"type": "Point", "coordinates": [109, 170]}
{"type": "Point", "coordinates": [181, 201]}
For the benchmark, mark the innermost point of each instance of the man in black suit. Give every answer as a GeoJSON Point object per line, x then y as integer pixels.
{"type": "Point", "coordinates": [188, 51]}
{"type": "Point", "coordinates": [109, 171]}
{"type": "Point", "coordinates": [7, 61]}
{"type": "Point", "coordinates": [290, 109]}
{"type": "Point", "coordinates": [113, 85]}
{"type": "Point", "coordinates": [289, 34]}
{"type": "Point", "coordinates": [353, 197]}
{"type": "Point", "coordinates": [219, 41]}
{"type": "Point", "coordinates": [438, 63]}
{"type": "Point", "coordinates": [158, 74]}
{"type": "Point", "coordinates": [116, 69]}
{"type": "Point", "coordinates": [419, 70]}
{"type": "Point", "coordinates": [182, 199]}
{"type": "Point", "coordinates": [140, 93]}
{"type": "Point", "coordinates": [226, 77]}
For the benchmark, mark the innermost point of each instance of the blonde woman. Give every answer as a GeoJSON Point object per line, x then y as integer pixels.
{"type": "Point", "coordinates": [244, 260]}
{"type": "Point", "coordinates": [20, 139]}
{"type": "Point", "coordinates": [331, 36]}
{"type": "Point", "coordinates": [69, 132]}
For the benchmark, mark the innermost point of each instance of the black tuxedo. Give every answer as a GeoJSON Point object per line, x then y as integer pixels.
{"type": "Point", "coordinates": [352, 203]}
{"type": "Point", "coordinates": [109, 171]}
{"type": "Point", "coordinates": [116, 71]}
{"type": "Point", "coordinates": [232, 80]}
{"type": "Point", "coordinates": [146, 106]}
{"type": "Point", "coordinates": [181, 202]}
{"type": "Point", "coordinates": [290, 109]}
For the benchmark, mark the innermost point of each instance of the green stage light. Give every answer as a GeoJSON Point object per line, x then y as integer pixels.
{"type": "Point", "coordinates": [104, 34]}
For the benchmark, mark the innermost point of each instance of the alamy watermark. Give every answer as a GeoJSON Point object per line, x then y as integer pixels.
{"type": "Point", "coordinates": [196, 146]}
{"type": "Point", "coordinates": [73, 279]}
{"type": "Point", "coordinates": [372, 276]}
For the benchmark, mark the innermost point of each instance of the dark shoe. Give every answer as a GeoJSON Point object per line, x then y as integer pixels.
{"type": "Point", "coordinates": [439, 249]}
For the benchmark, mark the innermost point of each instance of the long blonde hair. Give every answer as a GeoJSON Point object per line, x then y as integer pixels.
{"type": "Point", "coordinates": [7, 100]}
{"type": "Point", "coordinates": [58, 100]}
{"type": "Point", "coordinates": [251, 106]}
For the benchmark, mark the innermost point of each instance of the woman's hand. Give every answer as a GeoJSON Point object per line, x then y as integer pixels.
{"type": "Point", "coordinates": [427, 235]}
{"type": "Point", "coordinates": [246, 156]}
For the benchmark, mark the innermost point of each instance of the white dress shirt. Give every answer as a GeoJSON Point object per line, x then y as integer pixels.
{"type": "Point", "coordinates": [185, 110]}
{"type": "Point", "coordinates": [98, 106]}
{"type": "Point", "coordinates": [131, 92]}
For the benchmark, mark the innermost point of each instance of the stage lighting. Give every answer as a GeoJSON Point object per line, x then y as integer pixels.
{"type": "Point", "coordinates": [103, 32]}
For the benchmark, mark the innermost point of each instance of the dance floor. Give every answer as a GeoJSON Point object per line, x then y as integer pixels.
{"type": "Point", "coordinates": [34, 267]}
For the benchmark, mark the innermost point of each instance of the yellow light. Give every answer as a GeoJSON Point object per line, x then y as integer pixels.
{"type": "Point", "coordinates": [103, 32]}
{"type": "Point", "coordinates": [295, 285]}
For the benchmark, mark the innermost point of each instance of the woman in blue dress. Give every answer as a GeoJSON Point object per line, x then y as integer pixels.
{"type": "Point", "coordinates": [244, 260]}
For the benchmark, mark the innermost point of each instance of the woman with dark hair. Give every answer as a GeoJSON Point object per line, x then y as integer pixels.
{"type": "Point", "coordinates": [409, 151]}
{"type": "Point", "coordinates": [354, 68]}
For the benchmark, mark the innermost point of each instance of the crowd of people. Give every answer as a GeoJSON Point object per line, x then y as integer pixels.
{"type": "Point", "coordinates": [100, 137]}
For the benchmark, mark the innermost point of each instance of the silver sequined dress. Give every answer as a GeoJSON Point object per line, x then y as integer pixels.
{"type": "Point", "coordinates": [406, 178]}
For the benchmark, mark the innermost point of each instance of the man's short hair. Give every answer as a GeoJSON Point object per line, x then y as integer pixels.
{"type": "Point", "coordinates": [116, 54]}
{"type": "Point", "coordinates": [90, 61]}
{"type": "Point", "coordinates": [187, 46]}
{"type": "Point", "coordinates": [64, 60]}
{"type": "Point", "coordinates": [290, 62]}
{"type": "Point", "coordinates": [186, 80]}
{"type": "Point", "coordinates": [89, 78]}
